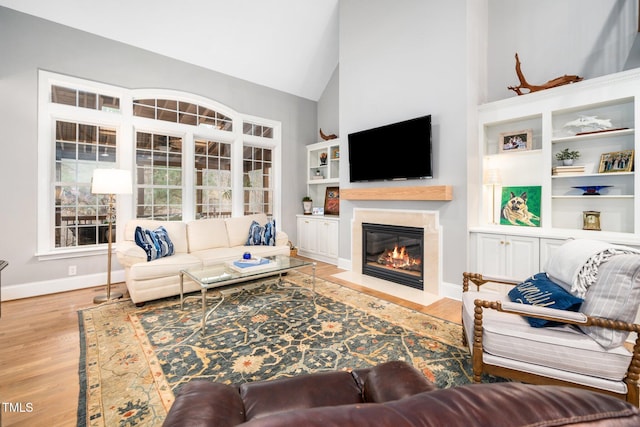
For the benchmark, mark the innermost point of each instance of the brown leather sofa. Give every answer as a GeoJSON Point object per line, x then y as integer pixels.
{"type": "Point", "coordinates": [391, 394]}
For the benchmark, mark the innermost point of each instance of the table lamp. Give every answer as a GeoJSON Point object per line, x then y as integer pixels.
{"type": "Point", "coordinates": [111, 182]}
{"type": "Point", "coordinates": [492, 177]}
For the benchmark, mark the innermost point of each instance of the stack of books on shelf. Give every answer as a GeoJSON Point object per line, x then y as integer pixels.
{"type": "Point", "coordinates": [568, 170]}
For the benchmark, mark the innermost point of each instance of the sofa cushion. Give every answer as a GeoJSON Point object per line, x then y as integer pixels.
{"type": "Point", "coordinates": [262, 235]}
{"type": "Point", "coordinates": [563, 347]}
{"type": "Point", "coordinates": [616, 295]}
{"type": "Point", "coordinates": [207, 233]}
{"type": "Point", "coordinates": [264, 398]}
{"type": "Point", "coordinates": [168, 266]}
{"type": "Point", "coordinates": [394, 380]}
{"type": "Point", "coordinates": [156, 243]}
{"type": "Point", "coordinates": [176, 229]}
{"type": "Point", "coordinates": [238, 227]}
{"type": "Point", "coordinates": [473, 405]}
{"type": "Point", "coordinates": [539, 290]}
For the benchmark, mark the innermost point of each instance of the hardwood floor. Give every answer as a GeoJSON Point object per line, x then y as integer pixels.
{"type": "Point", "coordinates": [39, 351]}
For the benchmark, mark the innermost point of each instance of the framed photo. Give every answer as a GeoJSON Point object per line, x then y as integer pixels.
{"type": "Point", "coordinates": [332, 201]}
{"type": "Point", "coordinates": [617, 161]}
{"type": "Point", "coordinates": [515, 141]}
{"type": "Point", "coordinates": [591, 220]}
{"type": "Point", "coordinates": [521, 206]}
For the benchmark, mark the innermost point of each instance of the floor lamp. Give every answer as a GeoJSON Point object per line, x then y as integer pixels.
{"type": "Point", "coordinates": [111, 182]}
{"type": "Point", "coordinates": [492, 177]}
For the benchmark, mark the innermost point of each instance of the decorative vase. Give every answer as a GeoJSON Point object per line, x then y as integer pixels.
{"type": "Point", "coordinates": [307, 205]}
{"type": "Point", "coordinates": [567, 162]}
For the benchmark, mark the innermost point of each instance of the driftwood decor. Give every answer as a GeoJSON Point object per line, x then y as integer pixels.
{"type": "Point", "coordinates": [558, 81]}
{"type": "Point", "coordinates": [327, 137]}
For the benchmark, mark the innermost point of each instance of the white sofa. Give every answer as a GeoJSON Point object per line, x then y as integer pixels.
{"type": "Point", "coordinates": [196, 243]}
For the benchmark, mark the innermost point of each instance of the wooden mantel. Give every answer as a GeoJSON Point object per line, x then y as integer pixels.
{"type": "Point", "coordinates": [431, 192]}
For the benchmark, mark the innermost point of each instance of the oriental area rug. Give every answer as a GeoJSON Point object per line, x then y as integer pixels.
{"type": "Point", "coordinates": [134, 360]}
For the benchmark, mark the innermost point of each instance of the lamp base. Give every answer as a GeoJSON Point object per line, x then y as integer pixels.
{"type": "Point", "coordinates": [99, 299]}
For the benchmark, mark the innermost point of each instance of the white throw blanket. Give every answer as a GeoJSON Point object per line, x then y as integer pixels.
{"type": "Point", "coordinates": [574, 265]}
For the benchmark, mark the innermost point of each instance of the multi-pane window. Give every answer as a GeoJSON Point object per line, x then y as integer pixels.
{"type": "Point", "coordinates": [84, 99]}
{"type": "Point", "coordinates": [80, 215]}
{"type": "Point", "coordinates": [257, 180]}
{"type": "Point", "coordinates": [186, 113]}
{"type": "Point", "coordinates": [187, 158]}
{"type": "Point", "coordinates": [158, 176]}
{"type": "Point", "coordinates": [212, 164]}
{"type": "Point", "coordinates": [257, 130]}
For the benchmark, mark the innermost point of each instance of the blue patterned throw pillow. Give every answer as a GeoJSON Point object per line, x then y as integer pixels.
{"type": "Point", "coordinates": [539, 290]}
{"type": "Point", "coordinates": [156, 243]}
{"type": "Point", "coordinates": [264, 236]}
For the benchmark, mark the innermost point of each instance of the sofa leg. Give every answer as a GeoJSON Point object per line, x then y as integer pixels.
{"type": "Point", "coordinates": [140, 304]}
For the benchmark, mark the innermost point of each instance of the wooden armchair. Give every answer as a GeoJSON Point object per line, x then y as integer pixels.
{"type": "Point", "coordinates": [504, 344]}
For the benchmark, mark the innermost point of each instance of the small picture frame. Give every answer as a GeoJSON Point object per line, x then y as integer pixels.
{"type": "Point", "coordinates": [332, 201]}
{"type": "Point", "coordinates": [616, 161]}
{"type": "Point", "coordinates": [515, 141]}
{"type": "Point", "coordinates": [317, 211]}
{"type": "Point", "coordinates": [591, 220]}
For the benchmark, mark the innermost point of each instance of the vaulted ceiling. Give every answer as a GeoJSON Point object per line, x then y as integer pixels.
{"type": "Point", "coordinates": [288, 45]}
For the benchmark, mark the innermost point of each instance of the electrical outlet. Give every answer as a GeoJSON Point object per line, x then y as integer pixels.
{"type": "Point", "coordinates": [72, 270]}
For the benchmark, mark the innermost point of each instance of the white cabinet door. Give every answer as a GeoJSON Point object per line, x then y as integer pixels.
{"type": "Point", "coordinates": [491, 254]}
{"type": "Point", "coordinates": [318, 238]}
{"type": "Point", "coordinates": [513, 257]}
{"type": "Point", "coordinates": [333, 229]}
{"type": "Point", "coordinates": [306, 234]}
{"type": "Point", "coordinates": [547, 248]}
{"type": "Point", "coordinates": [327, 234]}
{"type": "Point", "coordinates": [522, 257]}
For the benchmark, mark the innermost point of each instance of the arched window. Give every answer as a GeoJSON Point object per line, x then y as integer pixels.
{"type": "Point", "coordinates": [190, 158]}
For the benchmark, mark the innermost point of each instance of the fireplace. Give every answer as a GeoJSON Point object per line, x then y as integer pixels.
{"type": "Point", "coordinates": [393, 253]}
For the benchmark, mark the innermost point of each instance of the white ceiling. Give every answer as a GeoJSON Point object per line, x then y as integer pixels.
{"type": "Point", "coordinates": [289, 45]}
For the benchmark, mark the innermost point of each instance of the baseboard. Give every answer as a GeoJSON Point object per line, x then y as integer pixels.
{"type": "Point", "coordinates": [344, 264]}
{"type": "Point", "coordinates": [33, 289]}
{"type": "Point", "coordinates": [451, 290]}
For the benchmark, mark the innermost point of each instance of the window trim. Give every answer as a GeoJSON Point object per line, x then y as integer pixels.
{"type": "Point", "coordinates": [126, 125]}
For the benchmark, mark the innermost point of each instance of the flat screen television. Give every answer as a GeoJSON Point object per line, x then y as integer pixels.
{"type": "Point", "coordinates": [396, 151]}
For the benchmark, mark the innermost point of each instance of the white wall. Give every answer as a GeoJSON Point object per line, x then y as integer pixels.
{"type": "Point", "coordinates": [28, 44]}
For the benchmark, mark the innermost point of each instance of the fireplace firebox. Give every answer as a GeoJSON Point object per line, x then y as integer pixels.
{"type": "Point", "coordinates": [393, 253]}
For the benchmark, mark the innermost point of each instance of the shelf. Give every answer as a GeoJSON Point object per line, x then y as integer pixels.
{"type": "Point", "coordinates": [323, 181]}
{"type": "Point", "coordinates": [552, 116]}
{"type": "Point", "coordinates": [597, 135]}
{"type": "Point", "coordinates": [602, 196]}
{"type": "Point", "coordinates": [592, 175]}
{"type": "Point", "coordinates": [434, 192]}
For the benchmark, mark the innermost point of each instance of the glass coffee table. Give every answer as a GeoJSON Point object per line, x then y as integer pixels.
{"type": "Point", "coordinates": [223, 275]}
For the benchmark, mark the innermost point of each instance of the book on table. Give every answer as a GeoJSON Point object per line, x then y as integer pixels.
{"type": "Point", "coordinates": [252, 264]}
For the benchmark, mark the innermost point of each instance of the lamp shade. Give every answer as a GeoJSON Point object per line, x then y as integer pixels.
{"type": "Point", "coordinates": [111, 181]}
{"type": "Point", "coordinates": [492, 177]}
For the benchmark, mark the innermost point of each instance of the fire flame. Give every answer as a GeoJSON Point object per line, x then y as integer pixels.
{"type": "Point", "coordinates": [399, 258]}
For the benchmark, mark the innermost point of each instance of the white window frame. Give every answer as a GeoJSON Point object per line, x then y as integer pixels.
{"type": "Point", "coordinates": [126, 126]}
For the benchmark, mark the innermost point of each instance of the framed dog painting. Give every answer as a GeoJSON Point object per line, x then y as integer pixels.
{"type": "Point", "coordinates": [521, 206]}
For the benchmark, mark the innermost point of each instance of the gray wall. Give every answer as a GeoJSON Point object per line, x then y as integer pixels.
{"type": "Point", "coordinates": [28, 44]}
{"type": "Point", "coordinates": [329, 107]}
{"type": "Point", "coordinates": [397, 63]}
{"type": "Point", "coordinates": [414, 57]}
{"type": "Point", "coordinates": [445, 58]}
{"type": "Point", "coordinates": [590, 38]}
